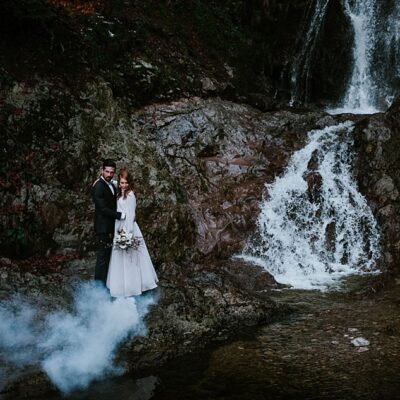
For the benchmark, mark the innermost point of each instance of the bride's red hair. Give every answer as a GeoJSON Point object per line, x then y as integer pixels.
{"type": "Point", "coordinates": [125, 174]}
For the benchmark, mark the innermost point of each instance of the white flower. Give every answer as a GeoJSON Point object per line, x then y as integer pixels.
{"type": "Point", "coordinates": [126, 240]}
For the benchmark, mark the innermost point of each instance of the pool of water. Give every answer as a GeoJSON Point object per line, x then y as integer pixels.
{"type": "Point", "coordinates": [309, 355]}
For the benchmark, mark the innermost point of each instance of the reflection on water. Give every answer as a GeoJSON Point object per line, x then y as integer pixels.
{"type": "Point", "coordinates": [308, 356]}
{"type": "Point", "coordinates": [123, 388]}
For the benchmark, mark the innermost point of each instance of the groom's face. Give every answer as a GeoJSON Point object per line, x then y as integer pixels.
{"type": "Point", "coordinates": [108, 173]}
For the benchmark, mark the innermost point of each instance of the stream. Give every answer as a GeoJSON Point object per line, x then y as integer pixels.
{"type": "Point", "coordinates": [309, 355]}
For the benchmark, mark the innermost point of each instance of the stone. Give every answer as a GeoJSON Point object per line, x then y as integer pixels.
{"type": "Point", "coordinates": [378, 171]}
{"type": "Point", "coordinates": [261, 101]}
{"type": "Point", "coordinates": [53, 216]}
{"type": "Point", "coordinates": [362, 349]}
{"type": "Point", "coordinates": [360, 342]}
{"type": "Point", "coordinates": [5, 261]}
{"type": "Point", "coordinates": [208, 85]}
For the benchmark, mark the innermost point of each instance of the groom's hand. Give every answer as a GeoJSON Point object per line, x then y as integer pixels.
{"type": "Point", "coordinates": [123, 216]}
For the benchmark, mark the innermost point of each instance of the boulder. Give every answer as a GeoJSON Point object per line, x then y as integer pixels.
{"type": "Point", "coordinates": [377, 141]}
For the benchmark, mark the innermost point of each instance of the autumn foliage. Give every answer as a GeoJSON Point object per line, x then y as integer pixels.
{"type": "Point", "coordinates": [77, 7]}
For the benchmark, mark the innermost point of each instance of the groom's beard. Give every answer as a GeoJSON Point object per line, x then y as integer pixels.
{"type": "Point", "coordinates": [107, 178]}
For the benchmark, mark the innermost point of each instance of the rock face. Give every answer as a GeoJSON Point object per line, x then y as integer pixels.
{"type": "Point", "coordinates": [378, 169]}
{"type": "Point", "coordinates": [220, 155]}
{"type": "Point", "coordinates": [199, 165]}
{"type": "Point", "coordinates": [321, 41]}
{"type": "Point", "coordinates": [200, 304]}
{"type": "Point", "coordinates": [329, 77]}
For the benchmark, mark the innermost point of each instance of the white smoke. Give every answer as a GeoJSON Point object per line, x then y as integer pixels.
{"type": "Point", "coordinates": [73, 347]}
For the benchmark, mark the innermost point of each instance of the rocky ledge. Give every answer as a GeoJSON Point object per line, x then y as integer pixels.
{"type": "Point", "coordinates": [200, 168]}
{"type": "Point", "coordinates": [378, 171]}
{"type": "Point", "coordinates": [197, 304]}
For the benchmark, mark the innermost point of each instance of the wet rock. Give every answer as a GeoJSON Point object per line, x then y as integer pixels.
{"type": "Point", "coordinates": [314, 184]}
{"type": "Point", "coordinates": [208, 85]}
{"type": "Point", "coordinates": [261, 101]}
{"type": "Point", "coordinates": [222, 153]}
{"type": "Point", "coordinates": [198, 304]}
{"type": "Point", "coordinates": [190, 159]}
{"type": "Point", "coordinates": [327, 78]}
{"type": "Point", "coordinates": [385, 186]}
{"type": "Point", "coordinates": [330, 236]}
{"type": "Point", "coordinates": [378, 171]}
{"type": "Point", "coordinates": [53, 216]}
{"type": "Point", "coordinates": [362, 349]}
{"type": "Point", "coordinates": [5, 261]}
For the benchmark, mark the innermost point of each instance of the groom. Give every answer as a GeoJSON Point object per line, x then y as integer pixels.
{"type": "Point", "coordinates": [105, 199]}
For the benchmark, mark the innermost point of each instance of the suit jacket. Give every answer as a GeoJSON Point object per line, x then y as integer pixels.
{"type": "Point", "coordinates": [105, 208]}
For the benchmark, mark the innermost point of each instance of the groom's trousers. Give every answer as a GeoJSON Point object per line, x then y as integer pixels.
{"type": "Point", "coordinates": [103, 255]}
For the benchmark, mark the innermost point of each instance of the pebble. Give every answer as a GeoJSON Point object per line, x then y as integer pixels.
{"type": "Point", "coordinates": [362, 349]}
{"type": "Point", "coordinates": [5, 261]}
{"type": "Point", "coordinates": [360, 342]}
{"type": "Point", "coordinates": [28, 276]}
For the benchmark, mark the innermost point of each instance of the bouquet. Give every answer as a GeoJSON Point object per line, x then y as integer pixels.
{"type": "Point", "coordinates": [125, 241]}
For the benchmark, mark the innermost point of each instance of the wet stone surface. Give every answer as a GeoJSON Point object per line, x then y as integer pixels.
{"type": "Point", "coordinates": [308, 356]}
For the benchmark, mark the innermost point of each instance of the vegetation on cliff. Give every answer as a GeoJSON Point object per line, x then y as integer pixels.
{"type": "Point", "coordinates": [52, 51]}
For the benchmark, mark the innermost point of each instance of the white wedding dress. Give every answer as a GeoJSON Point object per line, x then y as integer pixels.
{"type": "Point", "coordinates": [130, 272]}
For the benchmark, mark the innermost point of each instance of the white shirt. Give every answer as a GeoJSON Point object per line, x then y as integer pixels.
{"type": "Point", "coordinates": [110, 185]}
{"type": "Point", "coordinates": [112, 188]}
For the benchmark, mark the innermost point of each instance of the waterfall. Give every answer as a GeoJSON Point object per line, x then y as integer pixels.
{"type": "Point", "coordinates": [375, 77]}
{"type": "Point", "coordinates": [300, 74]}
{"type": "Point", "coordinates": [376, 56]}
{"type": "Point", "coordinates": [363, 84]}
{"type": "Point", "coordinates": [314, 226]}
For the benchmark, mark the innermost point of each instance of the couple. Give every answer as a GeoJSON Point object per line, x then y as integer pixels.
{"type": "Point", "coordinates": [125, 272]}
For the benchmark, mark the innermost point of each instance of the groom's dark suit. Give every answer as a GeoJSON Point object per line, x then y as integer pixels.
{"type": "Point", "coordinates": [105, 215]}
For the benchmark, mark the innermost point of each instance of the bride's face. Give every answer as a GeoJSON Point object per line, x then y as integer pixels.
{"type": "Point", "coordinates": [123, 184]}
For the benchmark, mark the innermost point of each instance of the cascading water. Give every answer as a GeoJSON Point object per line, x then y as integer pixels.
{"type": "Point", "coordinates": [363, 85]}
{"type": "Point", "coordinates": [375, 78]}
{"type": "Point", "coordinates": [300, 74]}
{"type": "Point", "coordinates": [314, 226]}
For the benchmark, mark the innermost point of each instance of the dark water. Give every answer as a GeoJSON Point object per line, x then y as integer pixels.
{"type": "Point", "coordinates": [307, 356]}
{"type": "Point", "coordinates": [125, 388]}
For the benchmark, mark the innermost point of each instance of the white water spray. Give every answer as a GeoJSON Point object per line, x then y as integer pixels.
{"type": "Point", "coordinates": [376, 56]}
{"type": "Point", "coordinates": [314, 226]}
{"type": "Point", "coordinates": [375, 77]}
{"type": "Point", "coordinates": [363, 86]}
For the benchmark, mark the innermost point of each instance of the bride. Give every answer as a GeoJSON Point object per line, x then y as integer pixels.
{"type": "Point", "coordinates": [131, 271]}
